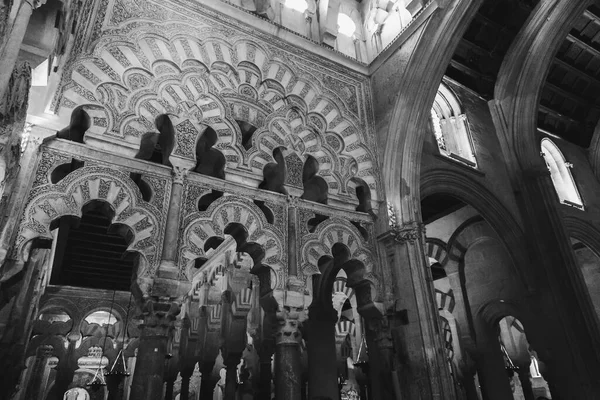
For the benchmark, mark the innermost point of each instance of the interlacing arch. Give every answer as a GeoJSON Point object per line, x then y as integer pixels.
{"type": "Point", "coordinates": [328, 233]}
{"type": "Point", "coordinates": [216, 221]}
{"type": "Point", "coordinates": [127, 81]}
{"type": "Point", "coordinates": [50, 202]}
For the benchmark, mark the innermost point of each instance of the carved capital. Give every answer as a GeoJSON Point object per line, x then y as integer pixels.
{"type": "Point", "coordinates": [179, 174]}
{"type": "Point", "coordinates": [159, 317]}
{"type": "Point", "coordinates": [289, 320]}
{"type": "Point", "coordinates": [292, 201]}
{"type": "Point", "coordinates": [408, 233]}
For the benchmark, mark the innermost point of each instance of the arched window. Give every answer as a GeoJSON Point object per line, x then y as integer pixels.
{"type": "Point", "coordinates": [346, 26]}
{"type": "Point", "coordinates": [451, 128]}
{"type": "Point", "coordinates": [561, 175]}
{"type": "Point", "coordinates": [298, 5]}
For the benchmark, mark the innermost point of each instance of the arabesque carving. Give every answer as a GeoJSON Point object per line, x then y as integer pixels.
{"type": "Point", "coordinates": [200, 226]}
{"type": "Point", "coordinates": [328, 233]}
{"type": "Point", "coordinates": [202, 81]}
{"type": "Point", "coordinates": [50, 202]}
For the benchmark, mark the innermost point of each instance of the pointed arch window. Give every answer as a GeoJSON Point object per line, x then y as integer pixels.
{"type": "Point", "coordinates": [561, 174]}
{"type": "Point", "coordinates": [451, 128]}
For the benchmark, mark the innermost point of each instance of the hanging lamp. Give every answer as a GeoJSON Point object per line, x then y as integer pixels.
{"type": "Point", "coordinates": [99, 380]}
{"type": "Point", "coordinates": [119, 367]}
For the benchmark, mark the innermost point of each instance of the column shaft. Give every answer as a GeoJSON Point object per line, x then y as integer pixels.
{"type": "Point", "coordinates": [230, 382]}
{"type": "Point", "coordinates": [525, 378]}
{"type": "Point", "coordinates": [264, 386]}
{"type": "Point", "coordinates": [10, 51]}
{"type": "Point", "coordinates": [185, 387]}
{"type": "Point", "coordinates": [172, 229]}
{"type": "Point", "coordinates": [565, 326]}
{"type": "Point", "coordinates": [288, 371]}
{"type": "Point", "coordinates": [422, 356]}
{"type": "Point", "coordinates": [322, 358]}
{"type": "Point", "coordinates": [169, 391]}
{"type": "Point", "coordinates": [149, 368]}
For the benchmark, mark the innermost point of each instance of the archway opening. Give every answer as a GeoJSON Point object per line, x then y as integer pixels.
{"type": "Point", "coordinates": [91, 251]}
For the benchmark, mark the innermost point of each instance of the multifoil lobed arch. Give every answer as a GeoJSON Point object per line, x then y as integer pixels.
{"type": "Point", "coordinates": [49, 202]}
{"type": "Point", "coordinates": [328, 233]}
{"type": "Point", "coordinates": [198, 227]}
{"type": "Point", "coordinates": [211, 81]}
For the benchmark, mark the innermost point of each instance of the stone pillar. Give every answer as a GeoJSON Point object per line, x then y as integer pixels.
{"type": "Point", "coordinates": [322, 355]}
{"type": "Point", "coordinates": [185, 385]}
{"type": "Point", "coordinates": [168, 269]}
{"type": "Point", "coordinates": [230, 379]}
{"type": "Point", "coordinates": [207, 387]}
{"type": "Point", "coordinates": [379, 345]}
{"type": "Point", "coordinates": [421, 351]}
{"type": "Point", "coordinates": [525, 378]}
{"type": "Point", "coordinates": [33, 390]}
{"type": "Point", "coordinates": [288, 369]}
{"type": "Point", "coordinates": [565, 328]}
{"type": "Point", "coordinates": [10, 51]}
{"type": "Point", "coordinates": [158, 324]}
{"type": "Point", "coordinates": [169, 389]}
{"type": "Point", "coordinates": [266, 376]}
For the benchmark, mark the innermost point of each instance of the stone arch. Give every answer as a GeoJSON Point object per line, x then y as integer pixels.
{"type": "Point", "coordinates": [328, 233]}
{"type": "Point", "coordinates": [427, 61]}
{"type": "Point", "coordinates": [490, 208]}
{"type": "Point", "coordinates": [437, 249]}
{"type": "Point", "coordinates": [584, 232]}
{"type": "Point", "coordinates": [522, 74]}
{"type": "Point", "coordinates": [49, 202]}
{"type": "Point", "coordinates": [234, 74]}
{"type": "Point", "coordinates": [200, 226]}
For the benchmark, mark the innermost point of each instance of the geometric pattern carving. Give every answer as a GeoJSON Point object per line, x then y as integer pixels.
{"type": "Point", "coordinates": [213, 222]}
{"type": "Point", "coordinates": [211, 81]}
{"type": "Point", "coordinates": [50, 202]}
{"type": "Point", "coordinates": [328, 233]}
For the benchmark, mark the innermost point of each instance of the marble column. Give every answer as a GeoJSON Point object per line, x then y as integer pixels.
{"type": "Point", "coordinates": [230, 379]}
{"type": "Point", "coordinates": [156, 329]}
{"type": "Point", "coordinates": [564, 329]}
{"type": "Point", "coordinates": [264, 384]}
{"type": "Point", "coordinates": [10, 51]}
{"type": "Point", "coordinates": [525, 378]}
{"type": "Point", "coordinates": [207, 387]}
{"type": "Point", "coordinates": [168, 267]}
{"type": "Point", "coordinates": [379, 345]}
{"type": "Point", "coordinates": [288, 368]}
{"type": "Point", "coordinates": [185, 385]}
{"type": "Point", "coordinates": [494, 380]}
{"type": "Point", "coordinates": [322, 357]}
{"type": "Point", "coordinates": [34, 389]}
{"type": "Point", "coordinates": [169, 389]}
{"type": "Point", "coordinates": [421, 354]}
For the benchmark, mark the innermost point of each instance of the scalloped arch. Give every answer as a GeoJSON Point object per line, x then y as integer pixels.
{"type": "Point", "coordinates": [50, 202]}
{"type": "Point", "coordinates": [200, 226]}
{"type": "Point", "coordinates": [220, 69]}
{"type": "Point", "coordinates": [328, 233]}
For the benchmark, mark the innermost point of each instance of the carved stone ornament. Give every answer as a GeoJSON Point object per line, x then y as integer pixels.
{"type": "Point", "coordinates": [290, 320]}
{"type": "Point", "coordinates": [179, 174]}
{"type": "Point", "coordinates": [408, 233]}
{"type": "Point", "coordinates": [159, 317]}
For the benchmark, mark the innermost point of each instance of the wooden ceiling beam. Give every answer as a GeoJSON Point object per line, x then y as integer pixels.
{"type": "Point", "coordinates": [558, 115]}
{"type": "Point", "coordinates": [569, 95]}
{"type": "Point", "coordinates": [586, 46]}
{"type": "Point", "coordinates": [581, 74]}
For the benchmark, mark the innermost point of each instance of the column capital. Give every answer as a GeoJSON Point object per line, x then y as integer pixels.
{"type": "Point", "coordinates": [407, 233]}
{"type": "Point", "coordinates": [289, 320]}
{"type": "Point", "coordinates": [179, 174]}
{"type": "Point", "coordinates": [159, 316]}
